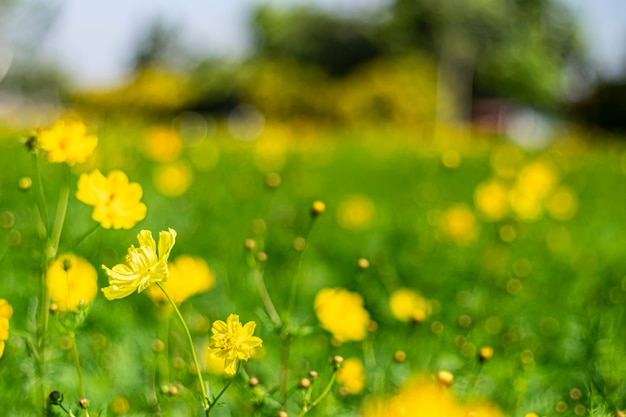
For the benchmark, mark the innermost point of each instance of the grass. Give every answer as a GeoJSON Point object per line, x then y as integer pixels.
{"type": "Point", "coordinates": [550, 300]}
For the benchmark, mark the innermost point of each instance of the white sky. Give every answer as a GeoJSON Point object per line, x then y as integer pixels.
{"type": "Point", "coordinates": [93, 40]}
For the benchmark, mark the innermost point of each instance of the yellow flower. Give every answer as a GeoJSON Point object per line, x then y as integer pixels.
{"type": "Point", "coordinates": [71, 281]}
{"type": "Point", "coordinates": [163, 144]}
{"type": "Point", "coordinates": [425, 397]}
{"type": "Point", "coordinates": [458, 224]}
{"type": "Point", "coordinates": [145, 265]}
{"type": "Point", "coordinates": [491, 199]}
{"type": "Point", "coordinates": [356, 212]}
{"type": "Point", "coordinates": [341, 312]}
{"type": "Point", "coordinates": [351, 375]}
{"type": "Point", "coordinates": [233, 342]}
{"type": "Point", "coordinates": [116, 202]}
{"type": "Point", "coordinates": [68, 142]}
{"type": "Point", "coordinates": [189, 275]}
{"type": "Point", "coordinates": [6, 311]}
{"type": "Point", "coordinates": [407, 305]}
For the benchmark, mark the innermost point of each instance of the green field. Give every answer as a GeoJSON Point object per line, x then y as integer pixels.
{"type": "Point", "coordinates": [543, 284]}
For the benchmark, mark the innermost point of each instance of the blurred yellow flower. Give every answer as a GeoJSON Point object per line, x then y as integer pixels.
{"type": "Point", "coordinates": [562, 204]}
{"type": "Point", "coordinates": [173, 179]}
{"type": "Point", "coordinates": [506, 160]}
{"type": "Point", "coordinates": [407, 305]}
{"type": "Point", "coordinates": [341, 312]}
{"type": "Point", "coordinates": [116, 202]}
{"type": "Point", "coordinates": [537, 178]}
{"type": "Point", "coordinates": [67, 141]}
{"type": "Point", "coordinates": [145, 265]}
{"type": "Point", "coordinates": [233, 342]}
{"type": "Point", "coordinates": [189, 275]}
{"type": "Point", "coordinates": [356, 212]}
{"type": "Point", "coordinates": [72, 282]}
{"type": "Point", "coordinates": [458, 224]}
{"type": "Point", "coordinates": [491, 199]}
{"type": "Point", "coordinates": [351, 375]}
{"type": "Point", "coordinates": [424, 397]}
{"type": "Point", "coordinates": [6, 311]}
{"type": "Point", "coordinates": [527, 206]}
{"type": "Point", "coordinates": [162, 144]}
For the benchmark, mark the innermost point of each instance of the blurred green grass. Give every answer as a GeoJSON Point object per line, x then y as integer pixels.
{"type": "Point", "coordinates": [554, 316]}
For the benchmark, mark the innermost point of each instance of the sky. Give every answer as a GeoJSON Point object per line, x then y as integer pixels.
{"type": "Point", "coordinates": [93, 40]}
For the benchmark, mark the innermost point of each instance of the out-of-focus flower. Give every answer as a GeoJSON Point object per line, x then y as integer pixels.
{"type": "Point", "coordinates": [72, 282]}
{"type": "Point", "coordinates": [351, 376]}
{"type": "Point", "coordinates": [162, 144]}
{"type": "Point", "coordinates": [172, 179]}
{"type": "Point", "coordinates": [116, 202]}
{"type": "Point", "coordinates": [537, 178]}
{"type": "Point", "coordinates": [409, 305]}
{"type": "Point", "coordinates": [6, 311]}
{"type": "Point", "coordinates": [562, 204]}
{"type": "Point", "coordinates": [491, 199]}
{"type": "Point", "coordinates": [233, 342]}
{"type": "Point", "coordinates": [145, 265]}
{"type": "Point", "coordinates": [526, 206]}
{"type": "Point", "coordinates": [458, 224]}
{"type": "Point", "coordinates": [356, 212]}
{"type": "Point", "coordinates": [341, 312]}
{"type": "Point", "coordinates": [67, 141]}
{"type": "Point", "coordinates": [189, 275]}
{"type": "Point", "coordinates": [424, 397]}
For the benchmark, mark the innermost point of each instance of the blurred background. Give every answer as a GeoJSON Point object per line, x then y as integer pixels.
{"type": "Point", "coordinates": [485, 63]}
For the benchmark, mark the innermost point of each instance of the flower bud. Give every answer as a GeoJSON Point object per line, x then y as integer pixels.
{"type": "Point", "coordinates": [363, 264]}
{"type": "Point", "coordinates": [24, 183]}
{"type": "Point", "coordinates": [250, 244]}
{"type": "Point", "coordinates": [83, 403]}
{"type": "Point", "coordinates": [485, 353]}
{"type": "Point", "coordinates": [313, 374]}
{"type": "Point", "coordinates": [304, 383]}
{"type": "Point", "coordinates": [399, 356]}
{"type": "Point", "coordinates": [55, 397]}
{"type": "Point", "coordinates": [445, 377]}
{"type": "Point", "coordinates": [318, 207]}
{"type": "Point", "coordinates": [254, 381]}
{"type": "Point", "coordinates": [337, 361]}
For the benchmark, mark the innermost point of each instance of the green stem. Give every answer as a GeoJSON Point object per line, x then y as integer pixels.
{"type": "Point", "coordinates": [291, 304]}
{"type": "Point", "coordinates": [41, 196]}
{"type": "Point", "coordinates": [265, 296]}
{"type": "Point", "coordinates": [76, 358]}
{"type": "Point", "coordinates": [59, 221]}
{"type": "Point", "coordinates": [216, 399]}
{"type": "Point", "coordinates": [205, 400]}
{"type": "Point", "coordinates": [309, 407]}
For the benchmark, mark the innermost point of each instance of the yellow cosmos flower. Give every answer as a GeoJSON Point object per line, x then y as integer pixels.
{"type": "Point", "coordinates": [71, 281]}
{"type": "Point", "coordinates": [67, 141]}
{"type": "Point", "coordinates": [407, 305]}
{"type": "Point", "coordinates": [6, 311]}
{"type": "Point", "coordinates": [341, 312]}
{"type": "Point", "coordinates": [144, 265]}
{"type": "Point", "coordinates": [351, 376]}
{"type": "Point", "coordinates": [116, 202]}
{"type": "Point", "coordinates": [233, 342]}
{"type": "Point", "coordinates": [356, 212]}
{"type": "Point", "coordinates": [189, 275]}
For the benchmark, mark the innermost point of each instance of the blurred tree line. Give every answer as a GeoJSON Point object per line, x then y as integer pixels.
{"type": "Point", "coordinates": [416, 61]}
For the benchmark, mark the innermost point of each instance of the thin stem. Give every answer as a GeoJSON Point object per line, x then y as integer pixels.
{"type": "Point", "coordinates": [291, 304]}
{"type": "Point", "coordinates": [41, 196]}
{"type": "Point", "coordinates": [257, 274]}
{"type": "Point", "coordinates": [309, 407]}
{"type": "Point", "coordinates": [205, 400]}
{"type": "Point", "coordinates": [79, 374]}
{"type": "Point", "coordinates": [216, 399]}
